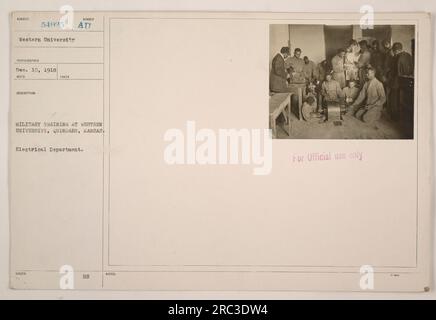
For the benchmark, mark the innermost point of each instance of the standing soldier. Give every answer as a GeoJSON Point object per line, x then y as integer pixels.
{"type": "Point", "coordinates": [363, 62]}
{"type": "Point", "coordinates": [278, 74]}
{"type": "Point", "coordinates": [338, 67]}
{"type": "Point", "coordinates": [309, 70]}
{"type": "Point", "coordinates": [402, 65]}
{"type": "Point", "coordinates": [351, 59]}
{"type": "Point", "coordinates": [295, 65]}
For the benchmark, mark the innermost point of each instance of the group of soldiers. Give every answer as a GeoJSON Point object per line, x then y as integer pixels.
{"type": "Point", "coordinates": [363, 78]}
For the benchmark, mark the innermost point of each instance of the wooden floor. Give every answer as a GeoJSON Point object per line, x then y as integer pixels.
{"type": "Point", "coordinates": [351, 128]}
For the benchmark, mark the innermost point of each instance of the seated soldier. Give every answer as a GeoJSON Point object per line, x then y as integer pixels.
{"type": "Point", "coordinates": [331, 90]}
{"type": "Point", "coordinates": [309, 110]}
{"type": "Point", "coordinates": [350, 93]}
{"type": "Point", "coordinates": [369, 104]}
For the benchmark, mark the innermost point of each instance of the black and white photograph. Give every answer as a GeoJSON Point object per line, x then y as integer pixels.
{"type": "Point", "coordinates": [341, 81]}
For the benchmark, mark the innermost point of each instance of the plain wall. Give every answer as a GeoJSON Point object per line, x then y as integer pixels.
{"type": "Point", "coordinates": [309, 38]}
{"type": "Point", "coordinates": [278, 38]}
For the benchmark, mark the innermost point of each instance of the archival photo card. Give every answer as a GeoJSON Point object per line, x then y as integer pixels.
{"type": "Point", "coordinates": [143, 157]}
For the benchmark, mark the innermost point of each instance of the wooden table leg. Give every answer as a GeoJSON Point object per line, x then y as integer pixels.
{"type": "Point", "coordinates": [273, 125]}
{"type": "Point", "coordinates": [289, 116]}
{"type": "Point", "coordinates": [300, 104]}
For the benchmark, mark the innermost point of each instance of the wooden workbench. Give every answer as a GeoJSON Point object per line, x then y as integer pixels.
{"type": "Point", "coordinates": [279, 103]}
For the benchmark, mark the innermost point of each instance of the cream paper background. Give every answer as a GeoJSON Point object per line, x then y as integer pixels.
{"type": "Point", "coordinates": [330, 213]}
{"type": "Point", "coordinates": [207, 101]}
